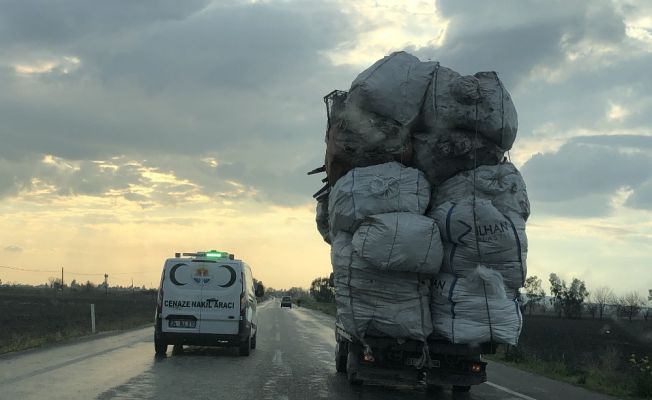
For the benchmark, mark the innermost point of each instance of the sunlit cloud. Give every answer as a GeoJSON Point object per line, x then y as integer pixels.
{"type": "Point", "coordinates": [388, 26]}
{"type": "Point", "coordinates": [63, 65]}
{"type": "Point", "coordinates": [617, 112]}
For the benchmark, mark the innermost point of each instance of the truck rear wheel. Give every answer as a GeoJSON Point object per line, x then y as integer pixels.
{"type": "Point", "coordinates": [253, 341]}
{"type": "Point", "coordinates": [341, 355]}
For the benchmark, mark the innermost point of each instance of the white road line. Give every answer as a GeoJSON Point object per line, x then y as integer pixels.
{"type": "Point", "coordinates": [513, 393]}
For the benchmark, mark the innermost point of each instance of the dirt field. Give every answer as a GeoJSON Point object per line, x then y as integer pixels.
{"type": "Point", "coordinates": [586, 342]}
{"type": "Point", "coordinates": [30, 318]}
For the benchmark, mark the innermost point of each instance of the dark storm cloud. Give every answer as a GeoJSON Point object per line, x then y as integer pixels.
{"type": "Point", "coordinates": [641, 198]}
{"type": "Point", "coordinates": [530, 45]}
{"type": "Point", "coordinates": [60, 22]}
{"type": "Point", "coordinates": [240, 81]}
{"type": "Point", "coordinates": [582, 176]}
{"type": "Point", "coordinates": [514, 36]}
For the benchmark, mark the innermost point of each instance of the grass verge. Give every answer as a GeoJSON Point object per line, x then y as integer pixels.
{"type": "Point", "coordinates": [326, 308]}
{"type": "Point", "coordinates": [601, 377]}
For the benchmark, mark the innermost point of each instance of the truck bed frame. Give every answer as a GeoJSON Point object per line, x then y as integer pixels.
{"type": "Point", "coordinates": [456, 365]}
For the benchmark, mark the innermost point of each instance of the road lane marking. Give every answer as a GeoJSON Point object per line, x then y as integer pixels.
{"type": "Point", "coordinates": [513, 393]}
{"type": "Point", "coordinates": [278, 358]}
{"type": "Point", "coordinates": [278, 336]}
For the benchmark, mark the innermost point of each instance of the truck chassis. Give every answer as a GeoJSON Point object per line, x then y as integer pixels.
{"type": "Point", "coordinates": [456, 365]}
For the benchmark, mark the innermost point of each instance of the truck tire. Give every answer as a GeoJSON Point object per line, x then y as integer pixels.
{"type": "Point", "coordinates": [341, 355]}
{"type": "Point", "coordinates": [352, 365]}
{"type": "Point", "coordinates": [253, 341]}
{"type": "Point", "coordinates": [245, 347]}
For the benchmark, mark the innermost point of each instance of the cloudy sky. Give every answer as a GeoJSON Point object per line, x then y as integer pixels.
{"type": "Point", "coordinates": [131, 130]}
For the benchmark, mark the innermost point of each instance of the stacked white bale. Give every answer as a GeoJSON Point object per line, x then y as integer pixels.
{"type": "Point", "coordinates": [378, 303]}
{"type": "Point", "coordinates": [475, 309]}
{"type": "Point", "coordinates": [378, 189]}
{"type": "Point", "coordinates": [393, 87]}
{"type": "Point", "coordinates": [400, 242]}
{"type": "Point", "coordinates": [383, 251]}
{"type": "Point", "coordinates": [502, 184]}
{"type": "Point", "coordinates": [475, 233]}
{"type": "Point", "coordinates": [372, 124]}
{"type": "Point", "coordinates": [467, 121]}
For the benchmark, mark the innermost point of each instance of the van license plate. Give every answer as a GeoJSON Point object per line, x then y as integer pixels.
{"type": "Point", "coordinates": [181, 323]}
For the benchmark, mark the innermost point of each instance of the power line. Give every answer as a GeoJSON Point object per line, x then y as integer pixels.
{"type": "Point", "coordinates": [73, 272]}
{"type": "Point", "coordinates": [27, 270]}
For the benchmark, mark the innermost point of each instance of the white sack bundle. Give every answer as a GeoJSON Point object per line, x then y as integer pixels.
{"type": "Point", "coordinates": [359, 138]}
{"type": "Point", "coordinates": [376, 303]}
{"type": "Point", "coordinates": [502, 184]}
{"type": "Point", "coordinates": [400, 242]}
{"type": "Point", "coordinates": [393, 87]}
{"type": "Point", "coordinates": [456, 102]}
{"type": "Point", "coordinates": [474, 309]}
{"type": "Point", "coordinates": [378, 189]}
{"type": "Point", "coordinates": [450, 151]}
{"type": "Point", "coordinates": [484, 236]}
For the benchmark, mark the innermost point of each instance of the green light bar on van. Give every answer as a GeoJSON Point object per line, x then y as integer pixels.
{"type": "Point", "coordinates": [216, 254]}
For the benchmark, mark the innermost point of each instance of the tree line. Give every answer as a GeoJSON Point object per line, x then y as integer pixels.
{"type": "Point", "coordinates": [567, 300]}
{"type": "Point", "coordinates": [574, 300]}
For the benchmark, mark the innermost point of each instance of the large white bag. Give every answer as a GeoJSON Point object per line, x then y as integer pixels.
{"type": "Point", "coordinates": [474, 310]}
{"type": "Point", "coordinates": [482, 236]}
{"type": "Point", "coordinates": [502, 184]}
{"type": "Point", "coordinates": [377, 303]}
{"type": "Point", "coordinates": [393, 87]}
{"type": "Point", "coordinates": [400, 242]}
{"type": "Point", "coordinates": [378, 189]}
{"type": "Point", "coordinates": [469, 103]}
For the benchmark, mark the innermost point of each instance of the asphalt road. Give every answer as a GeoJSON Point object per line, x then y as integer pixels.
{"type": "Point", "coordinates": [294, 360]}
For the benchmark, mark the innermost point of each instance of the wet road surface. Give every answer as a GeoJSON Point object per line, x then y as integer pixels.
{"type": "Point", "coordinates": [293, 360]}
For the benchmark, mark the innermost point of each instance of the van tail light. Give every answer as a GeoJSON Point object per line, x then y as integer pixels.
{"type": "Point", "coordinates": [243, 304]}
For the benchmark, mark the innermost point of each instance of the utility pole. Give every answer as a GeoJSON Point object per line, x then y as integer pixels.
{"type": "Point", "coordinates": [106, 284]}
{"type": "Point", "coordinates": [132, 287]}
{"type": "Point", "coordinates": [62, 281]}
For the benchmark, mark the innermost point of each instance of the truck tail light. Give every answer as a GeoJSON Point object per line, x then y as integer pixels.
{"type": "Point", "coordinates": [476, 368]}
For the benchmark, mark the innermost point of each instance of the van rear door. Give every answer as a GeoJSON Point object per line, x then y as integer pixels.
{"type": "Point", "coordinates": [181, 297]}
{"type": "Point", "coordinates": [220, 296]}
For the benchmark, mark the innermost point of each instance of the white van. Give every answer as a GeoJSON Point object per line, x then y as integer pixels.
{"type": "Point", "coordinates": [206, 299]}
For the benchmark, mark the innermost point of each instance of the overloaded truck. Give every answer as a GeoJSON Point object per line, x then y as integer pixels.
{"type": "Point", "coordinates": [426, 222]}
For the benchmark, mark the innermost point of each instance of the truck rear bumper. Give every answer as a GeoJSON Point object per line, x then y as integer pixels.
{"type": "Point", "coordinates": [411, 375]}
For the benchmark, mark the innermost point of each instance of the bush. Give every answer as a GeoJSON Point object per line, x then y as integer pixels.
{"type": "Point", "coordinates": [643, 372]}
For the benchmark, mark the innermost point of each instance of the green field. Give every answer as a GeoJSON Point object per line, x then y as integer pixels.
{"type": "Point", "coordinates": [33, 317]}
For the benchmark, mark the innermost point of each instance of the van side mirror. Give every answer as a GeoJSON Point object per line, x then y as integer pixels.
{"type": "Point", "coordinates": [331, 280]}
{"type": "Point", "coordinates": [260, 290]}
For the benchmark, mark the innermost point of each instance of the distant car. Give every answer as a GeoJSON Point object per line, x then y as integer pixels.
{"type": "Point", "coordinates": [286, 301]}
